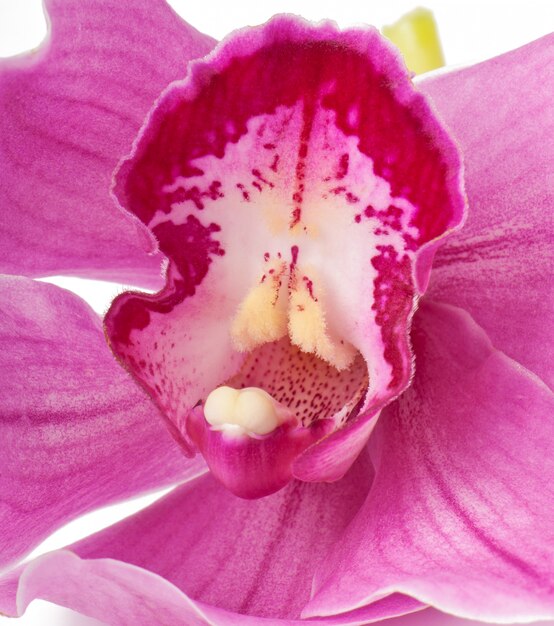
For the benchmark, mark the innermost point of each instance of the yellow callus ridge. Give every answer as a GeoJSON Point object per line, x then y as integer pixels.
{"type": "Point", "coordinates": [282, 304]}
{"type": "Point", "coordinates": [262, 316]}
{"type": "Point", "coordinates": [308, 330]}
{"type": "Point", "coordinates": [416, 36]}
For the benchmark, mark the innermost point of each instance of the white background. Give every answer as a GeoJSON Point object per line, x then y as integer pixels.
{"type": "Point", "coordinates": [470, 31]}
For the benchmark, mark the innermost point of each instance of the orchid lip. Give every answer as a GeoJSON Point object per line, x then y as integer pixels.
{"type": "Point", "coordinates": [292, 218]}
{"type": "Point", "coordinates": [251, 465]}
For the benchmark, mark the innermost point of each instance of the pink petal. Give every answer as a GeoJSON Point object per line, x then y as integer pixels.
{"type": "Point", "coordinates": [460, 513]}
{"type": "Point", "coordinates": [258, 168]}
{"type": "Point", "coordinates": [227, 555]}
{"type": "Point", "coordinates": [76, 432]}
{"type": "Point", "coordinates": [499, 266]}
{"type": "Point", "coordinates": [120, 594]}
{"type": "Point", "coordinates": [70, 111]}
{"type": "Point", "coordinates": [255, 557]}
{"type": "Point", "coordinates": [432, 617]}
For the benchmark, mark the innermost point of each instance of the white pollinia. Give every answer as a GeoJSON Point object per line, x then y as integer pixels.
{"type": "Point", "coordinates": [239, 411]}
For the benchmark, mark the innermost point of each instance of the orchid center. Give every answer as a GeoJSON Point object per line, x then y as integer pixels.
{"type": "Point", "coordinates": [291, 180]}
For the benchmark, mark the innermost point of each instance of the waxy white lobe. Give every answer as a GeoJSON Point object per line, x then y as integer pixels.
{"type": "Point", "coordinates": [244, 411]}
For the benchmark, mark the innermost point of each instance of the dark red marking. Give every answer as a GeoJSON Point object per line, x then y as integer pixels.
{"type": "Point", "coordinates": [410, 242]}
{"type": "Point", "coordinates": [342, 169]}
{"type": "Point", "coordinates": [190, 247]}
{"type": "Point", "coordinates": [310, 287]}
{"type": "Point", "coordinates": [294, 254]}
{"type": "Point", "coordinates": [261, 129]}
{"type": "Point", "coordinates": [195, 194]}
{"type": "Point", "coordinates": [350, 197]}
{"type": "Point", "coordinates": [393, 294]}
{"type": "Point", "coordinates": [245, 194]}
{"type": "Point", "coordinates": [389, 218]}
{"type": "Point", "coordinates": [292, 268]}
{"type": "Point", "coordinates": [258, 175]}
{"type": "Point", "coordinates": [296, 215]}
{"type": "Point", "coordinates": [308, 113]}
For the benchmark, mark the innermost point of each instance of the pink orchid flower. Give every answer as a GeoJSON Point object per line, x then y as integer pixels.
{"type": "Point", "coordinates": [388, 428]}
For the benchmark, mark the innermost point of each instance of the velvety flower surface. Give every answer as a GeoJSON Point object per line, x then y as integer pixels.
{"type": "Point", "coordinates": [450, 501]}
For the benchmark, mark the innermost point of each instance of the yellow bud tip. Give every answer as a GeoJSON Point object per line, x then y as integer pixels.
{"type": "Point", "coordinates": [416, 36]}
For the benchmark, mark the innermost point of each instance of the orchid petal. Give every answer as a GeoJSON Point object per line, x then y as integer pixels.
{"type": "Point", "coordinates": [250, 556]}
{"type": "Point", "coordinates": [76, 432]}
{"type": "Point", "coordinates": [120, 594]}
{"type": "Point", "coordinates": [460, 512]}
{"type": "Point", "coordinates": [70, 110]}
{"type": "Point", "coordinates": [256, 187]}
{"type": "Point", "coordinates": [499, 266]}
{"type": "Point", "coordinates": [432, 617]}
{"type": "Point", "coordinates": [237, 561]}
